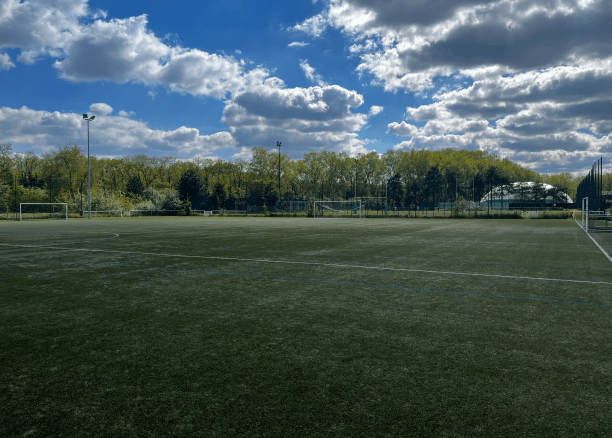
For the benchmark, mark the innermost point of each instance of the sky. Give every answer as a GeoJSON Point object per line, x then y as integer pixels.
{"type": "Point", "coordinates": [528, 80]}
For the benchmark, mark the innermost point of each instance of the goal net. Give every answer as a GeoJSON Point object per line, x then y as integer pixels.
{"type": "Point", "coordinates": [595, 220]}
{"type": "Point", "coordinates": [50, 210]}
{"type": "Point", "coordinates": [201, 213]}
{"type": "Point", "coordinates": [599, 221]}
{"type": "Point", "coordinates": [337, 208]}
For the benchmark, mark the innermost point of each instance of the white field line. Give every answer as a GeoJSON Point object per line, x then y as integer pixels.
{"type": "Point", "coordinates": [594, 241]}
{"type": "Point", "coordinates": [287, 262]}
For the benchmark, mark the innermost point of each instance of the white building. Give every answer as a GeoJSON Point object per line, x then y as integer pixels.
{"type": "Point", "coordinates": [521, 193]}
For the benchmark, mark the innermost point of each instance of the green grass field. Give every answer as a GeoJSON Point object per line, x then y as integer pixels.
{"type": "Point", "coordinates": [150, 327]}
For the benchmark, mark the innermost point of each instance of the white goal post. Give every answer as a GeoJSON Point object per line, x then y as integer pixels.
{"type": "Point", "coordinates": [337, 208]}
{"type": "Point", "coordinates": [595, 220]}
{"type": "Point", "coordinates": [201, 212]}
{"type": "Point", "coordinates": [43, 210]}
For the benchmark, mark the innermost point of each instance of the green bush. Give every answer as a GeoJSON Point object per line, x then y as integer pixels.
{"type": "Point", "coordinates": [310, 209]}
{"type": "Point", "coordinates": [555, 215]}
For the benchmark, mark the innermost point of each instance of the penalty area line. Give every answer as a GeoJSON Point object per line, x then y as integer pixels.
{"type": "Point", "coordinates": [351, 283]}
{"type": "Point", "coordinates": [289, 262]}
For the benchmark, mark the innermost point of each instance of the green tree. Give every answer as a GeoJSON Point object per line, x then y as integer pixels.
{"type": "Point", "coordinates": [29, 169]}
{"type": "Point", "coordinates": [433, 184]}
{"type": "Point", "coordinates": [395, 190]}
{"type": "Point", "coordinates": [521, 192]}
{"type": "Point", "coordinates": [479, 187]}
{"type": "Point", "coordinates": [492, 178]}
{"type": "Point", "coordinates": [143, 166]}
{"type": "Point", "coordinates": [220, 195]}
{"type": "Point", "coordinates": [190, 187]}
{"type": "Point", "coordinates": [134, 186]}
{"type": "Point", "coordinates": [64, 168]}
{"type": "Point", "coordinates": [538, 192]}
{"type": "Point", "coordinates": [6, 163]}
{"type": "Point", "coordinates": [413, 196]}
{"type": "Point", "coordinates": [557, 194]}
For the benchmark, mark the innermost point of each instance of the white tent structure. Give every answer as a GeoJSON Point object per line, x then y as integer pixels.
{"type": "Point", "coordinates": [524, 193]}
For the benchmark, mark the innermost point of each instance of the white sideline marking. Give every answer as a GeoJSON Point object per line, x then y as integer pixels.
{"type": "Point", "coordinates": [594, 241]}
{"type": "Point", "coordinates": [335, 265]}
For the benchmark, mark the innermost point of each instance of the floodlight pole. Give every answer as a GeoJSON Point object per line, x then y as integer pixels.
{"type": "Point", "coordinates": [278, 143]}
{"type": "Point", "coordinates": [355, 180]}
{"type": "Point", "coordinates": [89, 119]}
{"type": "Point", "coordinates": [587, 214]}
{"type": "Point", "coordinates": [386, 192]}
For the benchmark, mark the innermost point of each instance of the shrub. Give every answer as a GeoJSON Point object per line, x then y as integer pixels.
{"type": "Point", "coordinates": [161, 199]}
{"type": "Point", "coordinates": [134, 186]}
{"type": "Point", "coordinates": [310, 209]}
{"type": "Point", "coordinates": [554, 215]}
{"type": "Point", "coordinates": [172, 202]}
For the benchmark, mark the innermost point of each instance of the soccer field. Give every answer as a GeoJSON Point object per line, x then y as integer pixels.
{"type": "Point", "coordinates": [304, 327]}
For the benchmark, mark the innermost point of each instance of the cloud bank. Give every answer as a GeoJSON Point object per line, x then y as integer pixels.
{"type": "Point", "coordinates": [110, 135]}
{"type": "Point", "coordinates": [528, 80]}
{"type": "Point", "coordinates": [87, 47]}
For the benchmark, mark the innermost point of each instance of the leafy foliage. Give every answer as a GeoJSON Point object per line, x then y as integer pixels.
{"type": "Point", "coordinates": [134, 186]}
{"type": "Point", "coordinates": [190, 186]}
{"type": "Point", "coordinates": [322, 175]}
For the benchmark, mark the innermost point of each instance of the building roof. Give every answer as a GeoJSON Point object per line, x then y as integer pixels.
{"type": "Point", "coordinates": [514, 192]}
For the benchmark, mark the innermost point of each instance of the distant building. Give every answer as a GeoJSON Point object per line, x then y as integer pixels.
{"type": "Point", "coordinates": [525, 195]}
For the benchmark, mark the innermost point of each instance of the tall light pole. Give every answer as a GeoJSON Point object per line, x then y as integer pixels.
{"type": "Point", "coordinates": [355, 200]}
{"type": "Point", "coordinates": [90, 119]}
{"type": "Point", "coordinates": [355, 180]}
{"type": "Point", "coordinates": [278, 143]}
{"type": "Point", "coordinates": [386, 194]}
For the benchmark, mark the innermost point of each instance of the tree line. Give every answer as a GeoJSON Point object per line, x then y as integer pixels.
{"type": "Point", "coordinates": [403, 178]}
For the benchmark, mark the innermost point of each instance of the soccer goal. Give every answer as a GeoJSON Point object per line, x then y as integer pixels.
{"type": "Point", "coordinates": [201, 212]}
{"type": "Point", "coordinates": [337, 208]}
{"type": "Point", "coordinates": [42, 210]}
{"type": "Point", "coordinates": [599, 221]}
{"type": "Point", "coordinates": [595, 220]}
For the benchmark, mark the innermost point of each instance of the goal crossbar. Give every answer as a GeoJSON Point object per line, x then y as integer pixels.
{"type": "Point", "coordinates": [65, 208]}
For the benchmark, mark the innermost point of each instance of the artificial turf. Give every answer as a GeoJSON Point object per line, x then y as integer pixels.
{"type": "Point", "coordinates": [304, 327]}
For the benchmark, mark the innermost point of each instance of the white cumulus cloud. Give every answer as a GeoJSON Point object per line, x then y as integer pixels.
{"type": "Point", "coordinates": [375, 110]}
{"type": "Point", "coordinates": [305, 119]}
{"type": "Point", "coordinates": [120, 134]}
{"type": "Point", "coordinates": [311, 74]}
{"type": "Point", "coordinates": [100, 109]}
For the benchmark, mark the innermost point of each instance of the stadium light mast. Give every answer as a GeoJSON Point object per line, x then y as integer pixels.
{"type": "Point", "coordinates": [355, 179]}
{"type": "Point", "coordinates": [386, 194]}
{"type": "Point", "coordinates": [278, 143]}
{"type": "Point", "coordinates": [90, 119]}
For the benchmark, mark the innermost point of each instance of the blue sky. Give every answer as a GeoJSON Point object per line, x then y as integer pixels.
{"type": "Point", "coordinates": [527, 80]}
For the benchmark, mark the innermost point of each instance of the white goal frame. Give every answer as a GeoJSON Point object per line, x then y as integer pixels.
{"type": "Point", "coordinates": [358, 202]}
{"type": "Point", "coordinates": [202, 212]}
{"type": "Point", "coordinates": [65, 204]}
{"type": "Point", "coordinates": [591, 216]}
